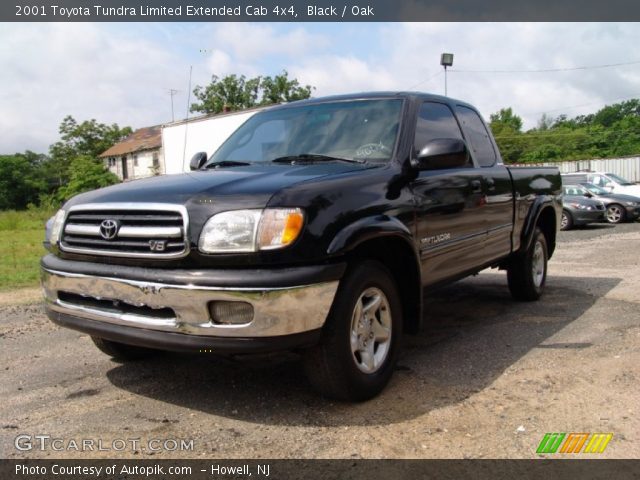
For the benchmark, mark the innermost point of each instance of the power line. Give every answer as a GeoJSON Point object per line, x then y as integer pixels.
{"type": "Point", "coordinates": [582, 105]}
{"type": "Point", "coordinates": [551, 70]}
{"type": "Point", "coordinates": [425, 81]}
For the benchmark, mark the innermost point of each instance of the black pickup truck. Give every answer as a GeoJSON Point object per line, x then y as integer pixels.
{"type": "Point", "coordinates": [316, 227]}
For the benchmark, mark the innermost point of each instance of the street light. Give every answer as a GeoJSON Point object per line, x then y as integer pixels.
{"type": "Point", "coordinates": [446, 60]}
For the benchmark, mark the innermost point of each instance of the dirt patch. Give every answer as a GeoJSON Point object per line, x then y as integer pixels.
{"type": "Point", "coordinates": [21, 296]}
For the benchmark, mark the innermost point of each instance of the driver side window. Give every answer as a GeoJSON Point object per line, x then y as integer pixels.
{"type": "Point", "coordinates": [435, 120]}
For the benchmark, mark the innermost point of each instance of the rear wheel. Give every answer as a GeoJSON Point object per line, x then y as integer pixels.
{"type": "Point", "coordinates": [361, 339]}
{"type": "Point", "coordinates": [121, 351]}
{"type": "Point", "coordinates": [527, 272]}
{"type": "Point", "coordinates": [615, 213]}
{"type": "Point", "coordinates": [566, 222]}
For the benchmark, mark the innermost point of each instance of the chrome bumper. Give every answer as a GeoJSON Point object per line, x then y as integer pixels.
{"type": "Point", "coordinates": [277, 311]}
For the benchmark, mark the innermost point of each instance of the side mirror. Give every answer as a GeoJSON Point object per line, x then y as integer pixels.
{"type": "Point", "coordinates": [442, 153]}
{"type": "Point", "coordinates": [588, 194]}
{"type": "Point", "coordinates": [198, 160]}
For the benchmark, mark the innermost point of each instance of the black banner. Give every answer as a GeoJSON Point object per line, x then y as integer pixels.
{"type": "Point", "coordinates": [583, 469]}
{"type": "Point", "coordinates": [317, 10]}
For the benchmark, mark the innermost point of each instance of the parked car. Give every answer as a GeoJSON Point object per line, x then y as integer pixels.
{"type": "Point", "coordinates": [609, 181]}
{"type": "Point", "coordinates": [620, 208]}
{"type": "Point", "coordinates": [577, 209]}
{"type": "Point", "coordinates": [315, 227]}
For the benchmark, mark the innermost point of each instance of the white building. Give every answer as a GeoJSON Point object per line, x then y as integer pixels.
{"type": "Point", "coordinates": [168, 148]}
{"type": "Point", "coordinates": [137, 156]}
{"type": "Point", "coordinates": [182, 139]}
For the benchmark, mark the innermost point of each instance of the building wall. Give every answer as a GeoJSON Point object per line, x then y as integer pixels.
{"type": "Point", "coordinates": [202, 135]}
{"type": "Point", "coordinates": [139, 164]}
{"type": "Point", "coordinates": [625, 167]}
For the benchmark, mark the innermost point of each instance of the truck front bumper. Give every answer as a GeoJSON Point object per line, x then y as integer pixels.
{"type": "Point", "coordinates": [172, 309]}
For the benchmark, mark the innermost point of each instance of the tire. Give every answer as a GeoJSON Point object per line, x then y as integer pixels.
{"type": "Point", "coordinates": [121, 351]}
{"type": "Point", "coordinates": [566, 223]}
{"type": "Point", "coordinates": [615, 213]}
{"type": "Point", "coordinates": [357, 355]}
{"type": "Point", "coordinates": [527, 272]}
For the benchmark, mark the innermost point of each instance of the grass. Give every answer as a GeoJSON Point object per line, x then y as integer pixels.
{"type": "Point", "coordinates": [21, 236]}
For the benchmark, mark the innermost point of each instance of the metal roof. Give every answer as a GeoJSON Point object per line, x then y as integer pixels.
{"type": "Point", "coordinates": [148, 138]}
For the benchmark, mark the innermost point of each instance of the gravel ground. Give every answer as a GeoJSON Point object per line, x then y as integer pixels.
{"type": "Point", "coordinates": [487, 378]}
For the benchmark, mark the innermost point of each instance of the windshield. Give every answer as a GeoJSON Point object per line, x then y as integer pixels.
{"type": "Point", "coordinates": [618, 179]}
{"type": "Point", "coordinates": [595, 189]}
{"type": "Point", "coordinates": [350, 130]}
{"type": "Point", "coordinates": [574, 190]}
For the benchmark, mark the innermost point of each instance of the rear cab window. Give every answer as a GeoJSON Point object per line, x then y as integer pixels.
{"type": "Point", "coordinates": [477, 136]}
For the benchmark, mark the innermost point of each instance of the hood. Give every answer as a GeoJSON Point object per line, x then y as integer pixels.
{"type": "Point", "coordinates": [254, 184]}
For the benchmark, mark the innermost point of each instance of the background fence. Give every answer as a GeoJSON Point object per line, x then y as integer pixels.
{"type": "Point", "coordinates": [626, 167]}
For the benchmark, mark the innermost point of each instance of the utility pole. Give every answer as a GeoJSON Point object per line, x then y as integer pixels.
{"type": "Point", "coordinates": [172, 92]}
{"type": "Point", "coordinates": [446, 60]}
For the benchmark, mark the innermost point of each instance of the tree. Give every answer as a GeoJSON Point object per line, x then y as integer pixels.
{"type": "Point", "coordinates": [20, 182]}
{"type": "Point", "coordinates": [545, 122]}
{"type": "Point", "coordinates": [88, 138]}
{"type": "Point", "coordinates": [507, 130]}
{"type": "Point", "coordinates": [611, 114]}
{"type": "Point", "coordinates": [237, 92]}
{"type": "Point", "coordinates": [233, 92]}
{"type": "Point", "coordinates": [505, 119]}
{"type": "Point", "coordinates": [86, 174]}
{"type": "Point", "coordinates": [280, 89]}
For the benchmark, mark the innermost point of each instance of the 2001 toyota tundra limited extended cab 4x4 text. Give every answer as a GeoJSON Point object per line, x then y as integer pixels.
{"type": "Point", "coordinates": [315, 227]}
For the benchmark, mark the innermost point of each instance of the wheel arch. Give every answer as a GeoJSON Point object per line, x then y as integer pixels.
{"type": "Point", "coordinates": [388, 241]}
{"type": "Point", "coordinates": [544, 216]}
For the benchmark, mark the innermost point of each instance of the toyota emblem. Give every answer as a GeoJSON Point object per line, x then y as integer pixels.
{"type": "Point", "coordinates": [109, 229]}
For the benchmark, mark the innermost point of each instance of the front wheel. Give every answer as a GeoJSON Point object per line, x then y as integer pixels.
{"type": "Point", "coordinates": [361, 338]}
{"type": "Point", "coordinates": [615, 213]}
{"type": "Point", "coordinates": [566, 222]}
{"type": "Point", "coordinates": [527, 272]}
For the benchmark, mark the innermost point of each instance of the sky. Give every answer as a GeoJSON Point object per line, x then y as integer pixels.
{"type": "Point", "coordinates": [122, 72]}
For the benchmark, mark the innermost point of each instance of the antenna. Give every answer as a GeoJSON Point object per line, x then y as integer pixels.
{"type": "Point", "coordinates": [186, 122]}
{"type": "Point", "coordinates": [172, 92]}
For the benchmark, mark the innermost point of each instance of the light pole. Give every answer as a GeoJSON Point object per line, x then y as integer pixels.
{"type": "Point", "coordinates": [446, 60]}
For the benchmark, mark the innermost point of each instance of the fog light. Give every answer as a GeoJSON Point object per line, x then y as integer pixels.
{"type": "Point", "coordinates": [231, 313]}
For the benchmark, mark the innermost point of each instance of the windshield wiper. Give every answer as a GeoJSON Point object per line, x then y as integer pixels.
{"type": "Point", "coordinates": [313, 157]}
{"type": "Point", "coordinates": [226, 163]}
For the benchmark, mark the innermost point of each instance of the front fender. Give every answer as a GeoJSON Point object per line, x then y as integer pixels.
{"type": "Point", "coordinates": [369, 228]}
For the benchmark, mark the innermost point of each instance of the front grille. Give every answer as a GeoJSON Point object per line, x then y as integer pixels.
{"type": "Point", "coordinates": [131, 230]}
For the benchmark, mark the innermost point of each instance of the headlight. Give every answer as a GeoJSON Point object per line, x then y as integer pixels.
{"type": "Point", "coordinates": [631, 204]}
{"type": "Point", "coordinates": [580, 206]}
{"type": "Point", "coordinates": [251, 230]}
{"type": "Point", "coordinates": [56, 227]}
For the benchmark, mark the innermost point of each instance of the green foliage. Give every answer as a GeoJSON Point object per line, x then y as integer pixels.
{"type": "Point", "coordinates": [21, 236]}
{"type": "Point", "coordinates": [86, 174]}
{"type": "Point", "coordinates": [238, 93]}
{"type": "Point", "coordinates": [21, 180]}
{"type": "Point", "coordinates": [613, 131]}
{"type": "Point", "coordinates": [505, 120]}
{"type": "Point", "coordinates": [88, 138]}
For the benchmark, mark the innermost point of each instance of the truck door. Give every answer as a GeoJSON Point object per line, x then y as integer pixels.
{"type": "Point", "coordinates": [497, 186]}
{"type": "Point", "coordinates": [449, 204]}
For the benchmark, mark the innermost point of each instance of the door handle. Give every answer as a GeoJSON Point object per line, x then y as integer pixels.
{"type": "Point", "coordinates": [476, 186]}
{"type": "Point", "coordinates": [491, 184]}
